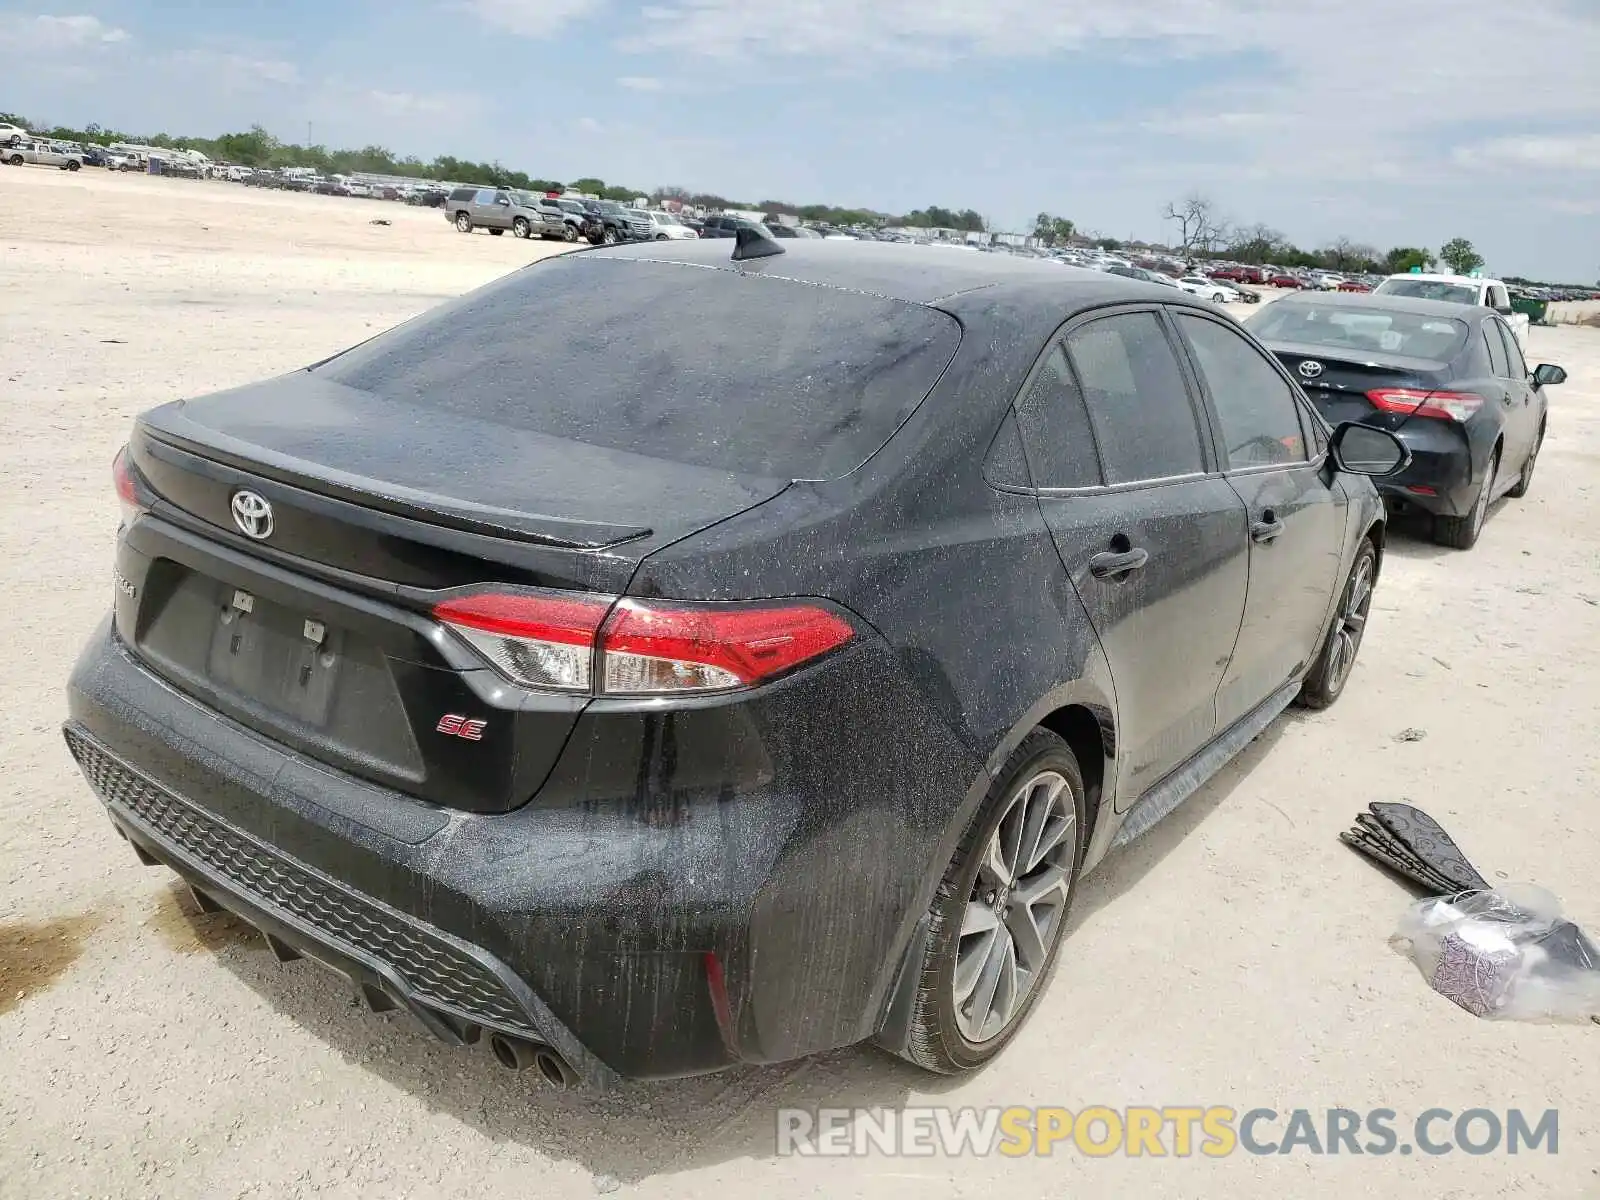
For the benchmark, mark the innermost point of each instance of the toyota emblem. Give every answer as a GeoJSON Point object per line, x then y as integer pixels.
{"type": "Point", "coordinates": [252, 514]}
{"type": "Point", "coordinates": [1311, 369]}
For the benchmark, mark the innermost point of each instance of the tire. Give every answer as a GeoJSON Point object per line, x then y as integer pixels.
{"type": "Point", "coordinates": [520, 227]}
{"type": "Point", "coordinates": [661, 237]}
{"type": "Point", "coordinates": [608, 236]}
{"type": "Point", "coordinates": [16, 160]}
{"type": "Point", "coordinates": [571, 233]}
{"type": "Point", "coordinates": [1331, 670]}
{"type": "Point", "coordinates": [1219, 297]}
{"type": "Point", "coordinates": [1461, 533]}
{"type": "Point", "coordinates": [463, 223]}
{"type": "Point", "coordinates": [946, 1035]}
{"type": "Point", "coordinates": [1525, 480]}
{"type": "Point", "coordinates": [74, 165]}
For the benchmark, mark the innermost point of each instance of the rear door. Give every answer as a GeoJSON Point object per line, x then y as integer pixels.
{"type": "Point", "coordinates": [1152, 536]}
{"type": "Point", "coordinates": [491, 209]}
{"type": "Point", "coordinates": [1296, 512]}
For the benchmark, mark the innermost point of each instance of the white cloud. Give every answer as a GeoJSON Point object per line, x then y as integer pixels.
{"type": "Point", "coordinates": [641, 83]}
{"type": "Point", "coordinates": [58, 33]}
{"type": "Point", "coordinates": [1576, 153]}
{"type": "Point", "coordinates": [529, 18]}
{"type": "Point", "coordinates": [237, 68]}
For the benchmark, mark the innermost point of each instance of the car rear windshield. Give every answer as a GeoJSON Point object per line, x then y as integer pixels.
{"type": "Point", "coordinates": [714, 368]}
{"type": "Point", "coordinates": [1428, 289]}
{"type": "Point", "coordinates": [1412, 335]}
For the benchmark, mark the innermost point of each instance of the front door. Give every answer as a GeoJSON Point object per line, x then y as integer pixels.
{"type": "Point", "coordinates": [1153, 539]}
{"type": "Point", "coordinates": [1296, 512]}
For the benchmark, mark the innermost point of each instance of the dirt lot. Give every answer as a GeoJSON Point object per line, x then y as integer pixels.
{"type": "Point", "coordinates": [1234, 956]}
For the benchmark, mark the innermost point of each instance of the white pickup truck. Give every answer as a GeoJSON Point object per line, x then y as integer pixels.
{"type": "Point", "coordinates": [43, 154]}
{"type": "Point", "coordinates": [1459, 289]}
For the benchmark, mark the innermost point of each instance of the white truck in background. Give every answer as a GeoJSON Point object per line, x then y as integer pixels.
{"type": "Point", "coordinates": [1460, 289]}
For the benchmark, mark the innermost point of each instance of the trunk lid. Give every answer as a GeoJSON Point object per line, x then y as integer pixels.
{"type": "Point", "coordinates": [1338, 382]}
{"type": "Point", "coordinates": [318, 634]}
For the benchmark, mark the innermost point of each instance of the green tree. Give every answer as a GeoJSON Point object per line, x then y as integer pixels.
{"type": "Point", "coordinates": [1460, 256]}
{"type": "Point", "coordinates": [1402, 259]}
{"type": "Point", "coordinates": [1052, 230]}
{"type": "Point", "coordinates": [589, 184]}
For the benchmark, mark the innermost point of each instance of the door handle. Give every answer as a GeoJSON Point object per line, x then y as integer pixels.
{"type": "Point", "coordinates": [1117, 566]}
{"type": "Point", "coordinates": [1266, 529]}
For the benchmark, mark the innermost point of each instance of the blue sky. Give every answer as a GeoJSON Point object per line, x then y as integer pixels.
{"type": "Point", "coordinates": [1388, 121]}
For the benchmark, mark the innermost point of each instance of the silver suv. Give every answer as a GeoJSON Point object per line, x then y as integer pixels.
{"type": "Point", "coordinates": [500, 209]}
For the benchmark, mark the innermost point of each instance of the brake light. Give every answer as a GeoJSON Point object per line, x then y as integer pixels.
{"type": "Point", "coordinates": [127, 493]}
{"type": "Point", "coordinates": [1444, 406]}
{"type": "Point", "coordinates": [553, 640]}
{"type": "Point", "coordinates": [541, 639]}
{"type": "Point", "coordinates": [652, 649]}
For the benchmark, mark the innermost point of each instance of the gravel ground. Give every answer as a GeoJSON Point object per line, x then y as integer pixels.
{"type": "Point", "coordinates": [1235, 956]}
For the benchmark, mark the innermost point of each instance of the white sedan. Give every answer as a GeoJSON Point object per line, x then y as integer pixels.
{"type": "Point", "coordinates": [1211, 289]}
{"type": "Point", "coordinates": [668, 227]}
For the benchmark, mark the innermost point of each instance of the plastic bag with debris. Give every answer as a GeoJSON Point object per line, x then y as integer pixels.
{"type": "Point", "coordinates": [1506, 954]}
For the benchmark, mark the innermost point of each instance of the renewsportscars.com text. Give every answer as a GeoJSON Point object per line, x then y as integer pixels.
{"type": "Point", "coordinates": [1177, 1131]}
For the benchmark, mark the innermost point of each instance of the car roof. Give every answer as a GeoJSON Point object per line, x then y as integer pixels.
{"type": "Point", "coordinates": [1405, 304]}
{"type": "Point", "coordinates": [957, 283]}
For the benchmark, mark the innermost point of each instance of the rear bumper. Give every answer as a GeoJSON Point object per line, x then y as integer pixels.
{"type": "Point", "coordinates": [678, 897]}
{"type": "Point", "coordinates": [1442, 478]}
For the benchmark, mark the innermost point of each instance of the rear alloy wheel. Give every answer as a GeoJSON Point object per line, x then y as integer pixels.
{"type": "Point", "coordinates": [609, 237]}
{"type": "Point", "coordinates": [1220, 297]}
{"type": "Point", "coordinates": [571, 233]}
{"type": "Point", "coordinates": [463, 223]}
{"type": "Point", "coordinates": [1000, 912]}
{"type": "Point", "coordinates": [73, 164]}
{"type": "Point", "coordinates": [1525, 480]}
{"type": "Point", "coordinates": [1332, 669]}
{"type": "Point", "coordinates": [1461, 533]}
{"type": "Point", "coordinates": [520, 227]}
{"type": "Point", "coordinates": [16, 160]}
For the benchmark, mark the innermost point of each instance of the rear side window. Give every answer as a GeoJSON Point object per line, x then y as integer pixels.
{"type": "Point", "coordinates": [1055, 428]}
{"type": "Point", "coordinates": [1137, 399]}
{"type": "Point", "coordinates": [1257, 410]}
{"type": "Point", "coordinates": [1516, 364]}
{"type": "Point", "coordinates": [463, 194]}
{"type": "Point", "coordinates": [713, 368]}
{"type": "Point", "coordinates": [1498, 362]}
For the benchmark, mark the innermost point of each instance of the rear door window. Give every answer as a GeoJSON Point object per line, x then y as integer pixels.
{"type": "Point", "coordinates": [1055, 428]}
{"type": "Point", "coordinates": [1138, 401]}
{"type": "Point", "coordinates": [1498, 362]}
{"type": "Point", "coordinates": [1257, 410]}
{"type": "Point", "coordinates": [722, 369]}
{"type": "Point", "coordinates": [1516, 366]}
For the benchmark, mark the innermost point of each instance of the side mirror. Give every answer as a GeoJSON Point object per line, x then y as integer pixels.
{"type": "Point", "coordinates": [1546, 373]}
{"type": "Point", "coordinates": [1365, 450]}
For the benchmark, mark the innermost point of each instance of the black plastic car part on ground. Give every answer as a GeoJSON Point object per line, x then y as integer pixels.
{"type": "Point", "coordinates": [1448, 379]}
{"type": "Point", "coordinates": [655, 662]}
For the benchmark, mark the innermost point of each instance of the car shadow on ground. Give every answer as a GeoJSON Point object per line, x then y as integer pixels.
{"type": "Point", "coordinates": [1411, 535]}
{"type": "Point", "coordinates": [637, 1131]}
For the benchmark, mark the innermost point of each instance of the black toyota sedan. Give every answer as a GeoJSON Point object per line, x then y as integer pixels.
{"type": "Point", "coordinates": [681, 655]}
{"type": "Point", "coordinates": [1448, 379]}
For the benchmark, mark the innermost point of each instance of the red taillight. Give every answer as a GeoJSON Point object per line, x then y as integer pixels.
{"type": "Point", "coordinates": [1414, 402]}
{"type": "Point", "coordinates": [550, 640]}
{"type": "Point", "coordinates": [127, 494]}
{"type": "Point", "coordinates": [542, 639]}
{"type": "Point", "coordinates": [652, 649]}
